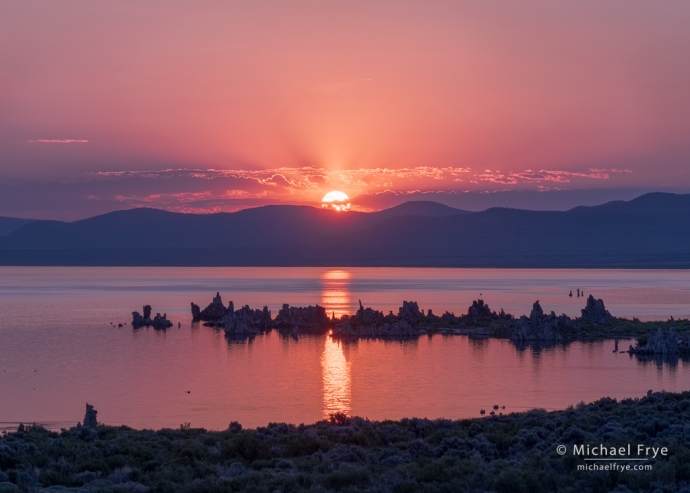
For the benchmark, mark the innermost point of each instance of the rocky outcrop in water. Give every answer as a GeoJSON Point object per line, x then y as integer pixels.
{"type": "Point", "coordinates": [139, 321]}
{"type": "Point", "coordinates": [538, 327]}
{"type": "Point", "coordinates": [409, 312]}
{"type": "Point", "coordinates": [368, 322]}
{"type": "Point", "coordinates": [90, 420]}
{"type": "Point", "coordinates": [401, 329]}
{"type": "Point", "coordinates": [213, 312]}
{"type": "Point", "coordinates": [196, 312]}
{"type": "Point", "coordinates": [481, 311]}
{"type": "Point", "coordinates": [245, 321]}
{"type": "Point", "coordinates": [369, 316]}
{"type": "Point", "coordinates": [310, 319]}
{"type": "Point", "coordinates": [161, 321]}
{"type": "Point", "coordinates": [158, 322]}
{"type": "Point", "coordinates": [449, 319]}
{"type": "Point", "coordinates": [663, 343]}
{"type": "Point", "coordinates": [410, 321]}
{"type": "Point", "coordinates": [595, 312]}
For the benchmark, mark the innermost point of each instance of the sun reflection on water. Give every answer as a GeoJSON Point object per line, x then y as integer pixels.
{"type": "Point", "coordinates": [337, 395]}
{"type": "Point", "coordinates": [335, 292]}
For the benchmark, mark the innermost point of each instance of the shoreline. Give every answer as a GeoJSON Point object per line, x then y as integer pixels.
{"type": "Point", "coordinates": [511, 452]}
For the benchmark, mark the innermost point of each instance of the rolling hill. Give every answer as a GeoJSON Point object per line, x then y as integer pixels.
{"type": "Point", "coordinates": [9, 224]}
{"type": "Point", "coordinates": [650, 231]}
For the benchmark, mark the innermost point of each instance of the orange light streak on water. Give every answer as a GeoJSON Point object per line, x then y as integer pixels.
{"type": "Point", "coordinates": [335, 293]}
{"type": "Point", "coordinates": [337, 392]}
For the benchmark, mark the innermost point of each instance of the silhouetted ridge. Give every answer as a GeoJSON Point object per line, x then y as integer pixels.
{"type": "Point", "coordinates": [649, 203]}
{"type": "Point", "coordinates": [650, 231]}
{"type": "Point", "coordinates": [9, 224]}
{"type": "Point", "coordinates": [420, 208]}
{"type": "Point", "coordinates": [155, 228]}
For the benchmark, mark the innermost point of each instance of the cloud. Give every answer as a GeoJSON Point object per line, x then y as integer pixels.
{"type": "Point", "coordinates": [308, 183]}
{"type": "Point", "coordinates": [556, 176]}
{"type": "Point", "coordinates": [60, 141]}
{"type": "Point", "coordinates": [214, 190]}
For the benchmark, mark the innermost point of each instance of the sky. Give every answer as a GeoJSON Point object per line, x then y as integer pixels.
{"type": "Point", "coordinates": [216, 106]}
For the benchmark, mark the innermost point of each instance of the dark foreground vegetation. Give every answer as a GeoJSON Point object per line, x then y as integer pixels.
{"type": "Point", "coordinates": [510, 453]}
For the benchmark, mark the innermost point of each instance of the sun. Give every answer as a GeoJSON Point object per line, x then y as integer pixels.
{"type": "Point", "coordinates": [336, 200]}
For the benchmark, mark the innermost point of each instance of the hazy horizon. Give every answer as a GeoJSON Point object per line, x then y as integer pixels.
{"type": "Point", "coordinates": [560, 200]}
{"type": "Point", "coordinates": [219, 106]}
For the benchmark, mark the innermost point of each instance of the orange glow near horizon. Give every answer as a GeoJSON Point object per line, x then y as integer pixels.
{"type": "Point", "coordinates": [239, 104]}
{"type": "Point", "coordinates": [336, 200]}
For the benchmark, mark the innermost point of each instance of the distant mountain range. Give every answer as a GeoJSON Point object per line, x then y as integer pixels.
{"type": "Point", "coordinates": [650, 231]}
{"type": "Point", "coordinates": [9, 224]}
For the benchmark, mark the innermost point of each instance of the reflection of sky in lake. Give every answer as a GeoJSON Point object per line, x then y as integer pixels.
{"type": "Point", "coordinates": [646, 294]}
{"type": "Point", "coordinates": [335, 292]}
{"type": "Point", "coordinates": [57, 321]}
{"type": "Point", "coordinates": [336, 379]}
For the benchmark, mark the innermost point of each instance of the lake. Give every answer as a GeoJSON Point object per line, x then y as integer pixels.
{"type": "Point", "coordinates": [59, 349]}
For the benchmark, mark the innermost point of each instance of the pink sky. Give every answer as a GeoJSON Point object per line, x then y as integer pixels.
{"type": "Point", "coordinates": [216, 105]}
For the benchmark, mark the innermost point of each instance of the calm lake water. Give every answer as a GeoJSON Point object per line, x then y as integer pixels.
{"type": "Point", "coordinates": [59, 350]}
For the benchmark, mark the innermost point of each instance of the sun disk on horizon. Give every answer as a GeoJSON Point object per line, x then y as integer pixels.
{"type": "Point", "coordinates": [338, 201]}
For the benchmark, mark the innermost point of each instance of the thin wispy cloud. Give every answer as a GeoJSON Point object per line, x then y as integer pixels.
{"type": "Point", "coordinates": [557, 176]}
{"type": "Point", "coordinates": [209, 190]}
{"type": "Point", "coordinates": [60, 141]}
{"type": "Point", "coordinates": [404, 179]}
{"type": "Point", "coordinates": [214, 190]}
